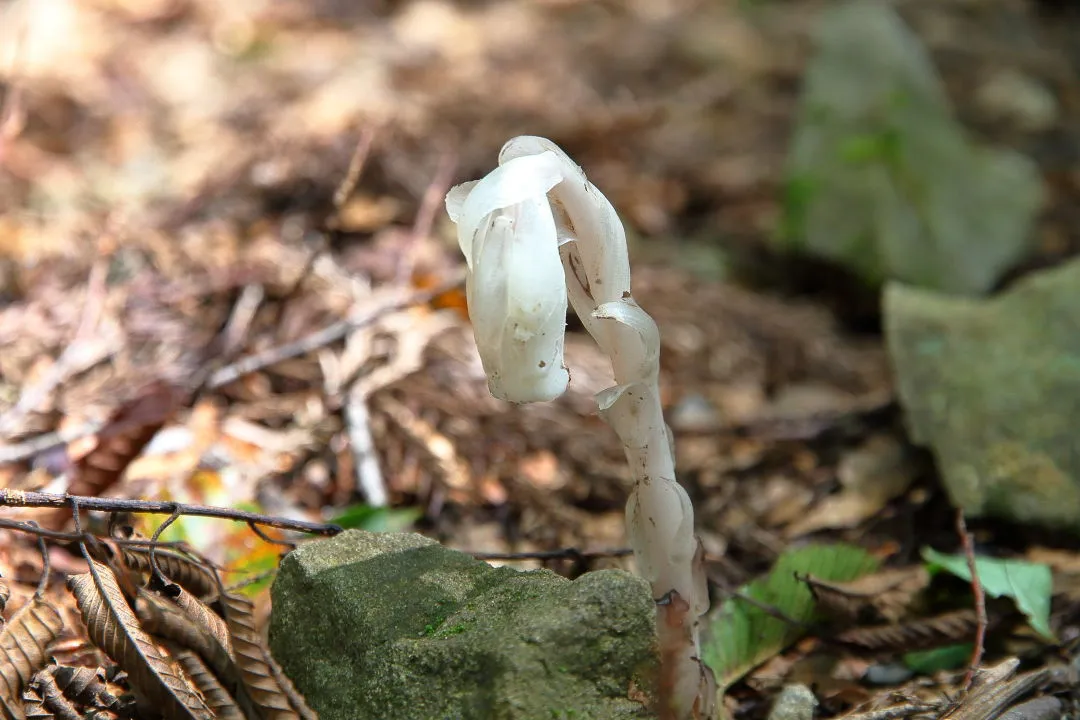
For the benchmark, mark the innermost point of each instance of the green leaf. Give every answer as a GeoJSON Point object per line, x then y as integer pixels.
{"type": "Point", "coordinates": [867, 147]}
{"type": "Point", "coordinates": [376, 519]}
{"type": "Point", "coordinates": [1029, 585]}
{"type": "Point", "coordinates": [798, 194]}
{"type": "Point", "coordinates": [927, 662]}
{"type": "Point", "coordinates": [740, 635]}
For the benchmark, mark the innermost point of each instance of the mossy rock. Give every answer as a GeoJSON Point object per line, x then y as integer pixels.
{"type": "Point", "coordinates": [372, 625]}
{"type": "Point", "coordinates": [993, 388]}
{"type": "Point", "coordinates": [881, 177]}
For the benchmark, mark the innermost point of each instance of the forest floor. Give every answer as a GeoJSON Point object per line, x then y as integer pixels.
{"type": "Point", "coordinates": [227, 278]}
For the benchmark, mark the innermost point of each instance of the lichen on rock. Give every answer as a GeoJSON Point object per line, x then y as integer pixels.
{"type": "Point", "coordinates": [991, 386]}
{"type": "Point", "coordinates": [373, 625]}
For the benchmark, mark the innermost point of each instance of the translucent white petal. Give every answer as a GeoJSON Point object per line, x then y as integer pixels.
{"type": "Point", "coordinates": [627, 409]}
{"type": "Point", "coordinates": [455, 199]}
{"type": "Point", "coordinates": [534, 274]}
{"type": "Point", "coordinates": [504, 186]}
{"type": "Point", "coordinates": [517, 303]}
{"type": "Point", "coordinates": [635, 342]}
{"type": "Point", "coordinates": [592, 219]}
{"type": "Point", "coordinates": [485, 286]}
{"type": "Point", "coordinates": [580, 298]}
{"type": "Point", "coordinates": [629, 313]}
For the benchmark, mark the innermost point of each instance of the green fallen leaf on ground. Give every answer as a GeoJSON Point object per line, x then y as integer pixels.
{"type": "Point", "coordinates": [740, 635]}
{"type": "Point", "coordinates": [927, 662]}
{"type": "Point", "coordinates": [1030, 585]}
{"type": "Point", "coordinates": [376, 519]}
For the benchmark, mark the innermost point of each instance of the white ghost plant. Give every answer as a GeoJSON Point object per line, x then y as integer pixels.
{"type": "Point", "coordinates": [536, 232]}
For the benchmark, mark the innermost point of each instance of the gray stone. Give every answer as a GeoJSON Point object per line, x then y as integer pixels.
{"type": "Point", "coordinates": [795, 702]}
{"type": "Point", "coordinates": [993, 388]}
{"type": "Point", "coordinates": [372, 625]}
{"type": "Point", "coordinates": [882, 178]}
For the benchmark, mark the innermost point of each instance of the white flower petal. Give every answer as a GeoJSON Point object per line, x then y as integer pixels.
{"type": "Point", "coordinates": [504, 186]}
{"type": "Point", "coordinates": [635, 341]}
{"type": "Point", "coordinates": [517, 303]}
{"type": "Point", "coordinates": [592, 219]}
{"type": "Point", "coordinates": [455, 199]}
{"type": "Point", "coordinates": [485, 286]}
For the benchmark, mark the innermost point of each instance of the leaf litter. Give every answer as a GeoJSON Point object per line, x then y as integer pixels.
{"type": "Point", "coordinates": [214, 242]}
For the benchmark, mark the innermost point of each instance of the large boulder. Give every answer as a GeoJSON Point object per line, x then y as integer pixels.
{"type": "Point", "coordinates": [993, 388]}
{"type": "Point", "coordinates": [372, 625]}
{"type": "Point", "coordinates": [883, 179]}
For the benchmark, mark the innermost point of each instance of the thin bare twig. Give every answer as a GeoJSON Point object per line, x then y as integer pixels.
{"type": "Point", "coordinates": [737, 594]}
{"type": "Point", "coordinates": [43, 582]}
{"type": "Point", "coordinates": [894, 712]}
{"type": "Point", "coordinates": [356, 166]}
{"type": "Point", "coordinates": [155, 569]}
{"type": "Point", "coordinates": [770, 610]}
{"type": "Point", "coordinates": [243, 313]}
{"type": "Point", "coordinates": [369, 477]}
{"type": "Point", "coordinates": [430, 204]}
{"type": "Point", "coordinates": [561, 554]}
{"type": "Point", "coordinates": [22, 498]}
{"type": "Point", "coordinates": [40, 443]}
{"type": "Point", "coordinates": [327, 335]}
{"type": "Point", "coordinates": [267, 539]}
{"type": "Point", "coordinates": [989, 698]}
{"type": "Point", "coordinates": [32, 528]}
{"type": "Point", "coordinates": [980, 599]}
{"type": "Point", "coordinates": [80, 354]}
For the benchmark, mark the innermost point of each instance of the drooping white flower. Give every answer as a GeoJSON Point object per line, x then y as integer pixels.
{"type": "Point", "coordinates": [535, 232]}
{"type": "Point", "coordinates": [515, 284]}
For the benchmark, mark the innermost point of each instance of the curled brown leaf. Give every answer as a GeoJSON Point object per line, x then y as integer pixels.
{"type": "Point", "coordinates": [217, 697]}
{"type": "Point", "coordinates": [53, 700]}
{"type": "Point", "coordinates": [162, 617]}
{"type": "Point", "coordinates": [24, 643]}
{"type": "Point", "coordinates": [113, 627]}
{"type": "Point", "coordinates": [193, 576]}
{"type": "Point", "coordinates": [83, 685]}
{"type": "Point", "coordinates": [884, 596]}
{"type": "Point", "coordinates": [944, 629]}
{"type": "Point", "coordinates": [272, 694]}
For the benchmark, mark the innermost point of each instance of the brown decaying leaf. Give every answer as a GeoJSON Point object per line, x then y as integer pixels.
{"type": "Point", "coordinates": [988, 699]}
{"type": "Point", "coordinates": [23, 650]}
{"type": "Point", "coordinates": [881, 597]}
{"type": "Point", "coordinates": [201, 615]}
{"type": "Point", "coordinates": [33, 705]}
{"type": "Point", "coordinates": [83, 685]}
{"type": "Point", "coordinates": [870, 476]}
{"type": "Point", "coordinates": [951, 627]}
{"type": "Point", "coordinates": [270, 691]}
{"type": "Point", "coordinates": [113, 627]}
{"type": "Point", "coordinates": [217, 697]}
{"type": "Point", "coordinates": [189, 574]}
{"type": "Point", "coordinates": [123, 437]}
{"type": "Point", "coordinates": [53, 700]}
{"type": "Point", "coordinates": [205, 633]}
{"type": "Point", "coordinates": [129, 429]}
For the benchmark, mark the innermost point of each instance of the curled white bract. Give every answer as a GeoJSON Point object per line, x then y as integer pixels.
{"type": "Point", "coordinates": [515, 284]}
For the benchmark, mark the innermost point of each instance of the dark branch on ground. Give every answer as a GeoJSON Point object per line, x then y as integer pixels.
{"type": "Point", "coordinates": [20, 498]}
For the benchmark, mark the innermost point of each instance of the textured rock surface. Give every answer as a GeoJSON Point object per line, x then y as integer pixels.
{"type": "Point", "coordinates": [993, 387]}
{"type": "Point", "coordinates": [881, 176]}
{"type": "Point", "coordinates": [397, 626]}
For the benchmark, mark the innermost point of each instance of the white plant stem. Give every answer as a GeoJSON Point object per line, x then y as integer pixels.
{"type": "Point", "coordinates": [531, 216]}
